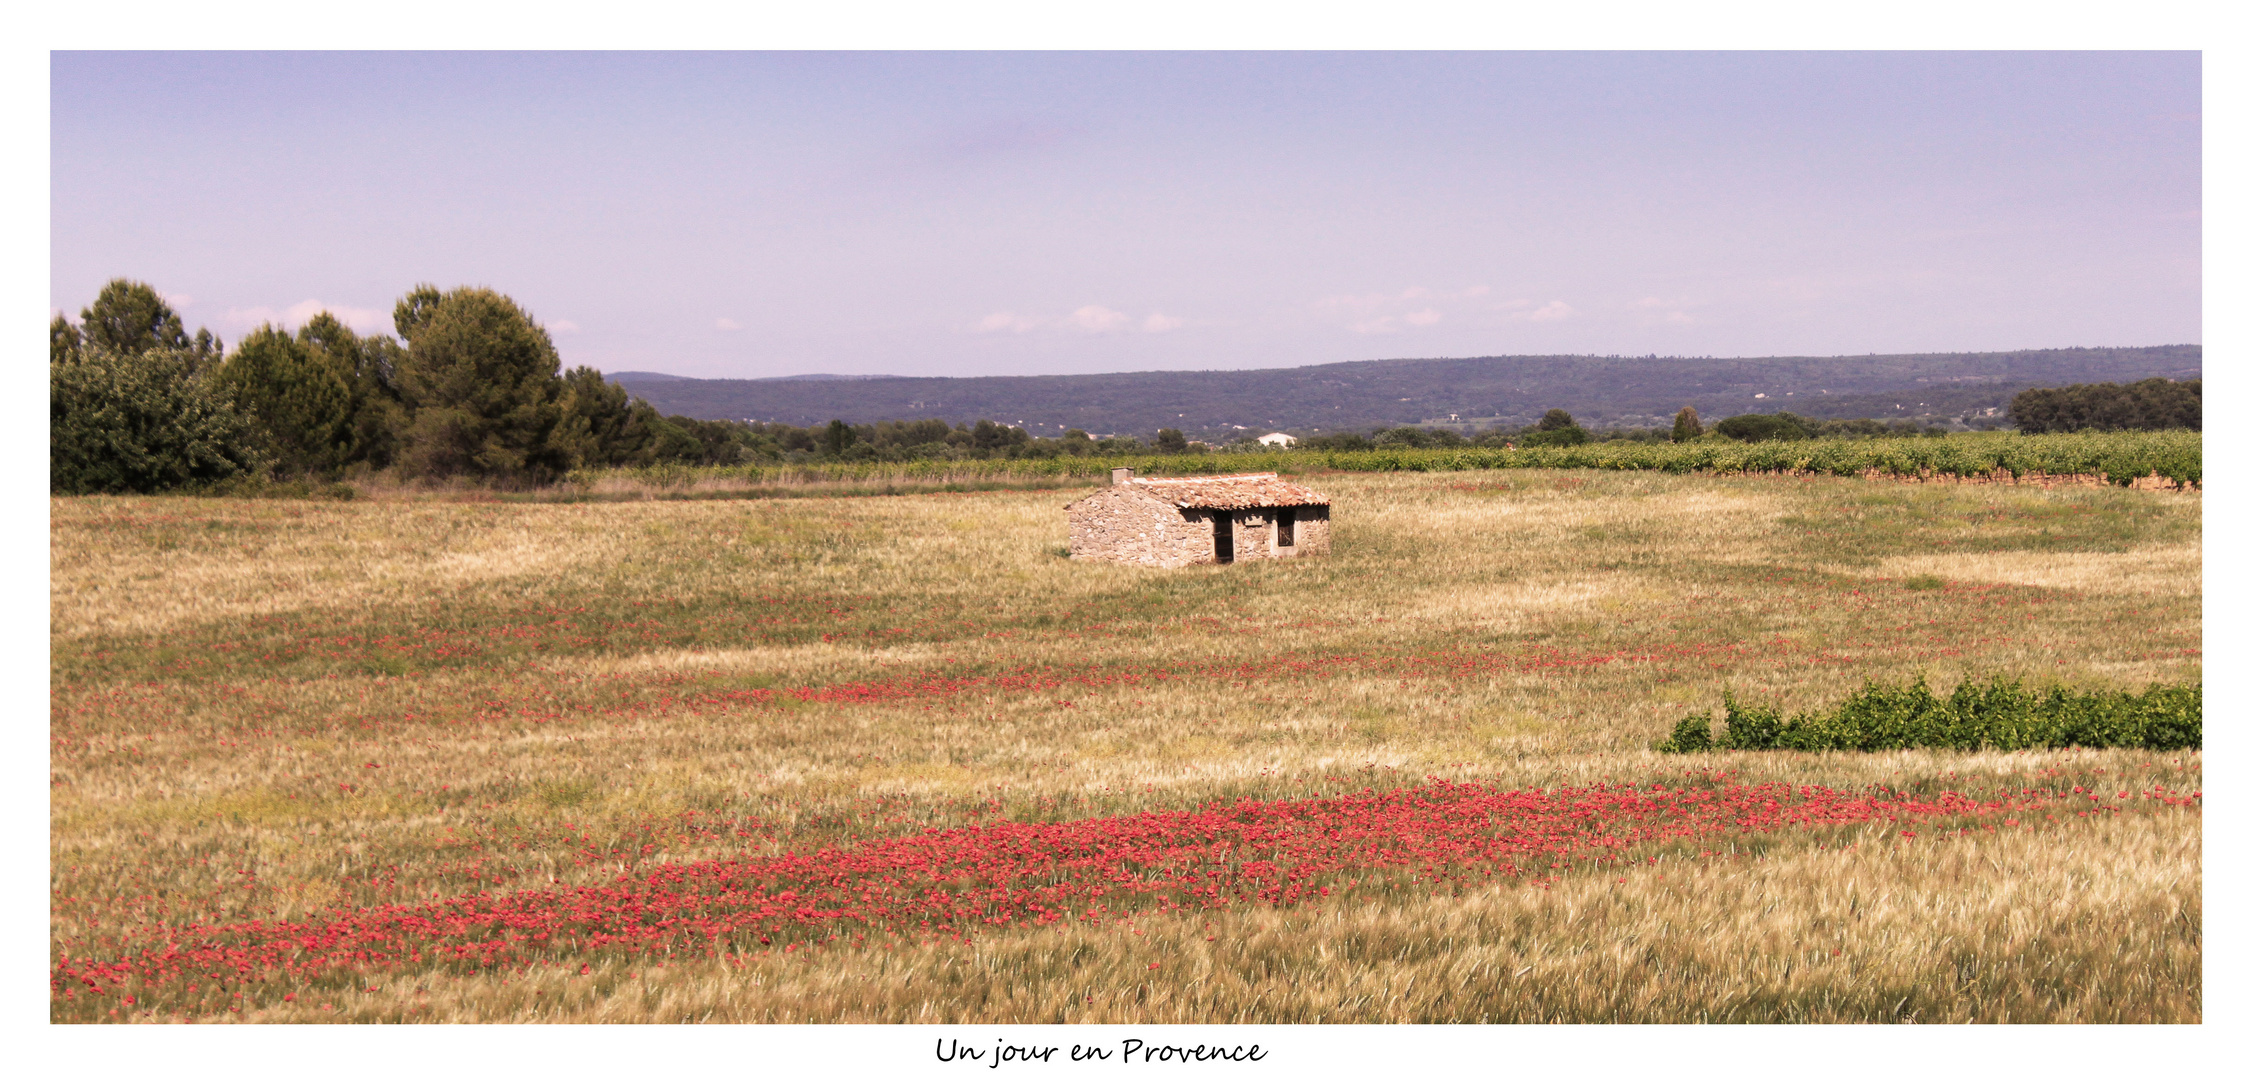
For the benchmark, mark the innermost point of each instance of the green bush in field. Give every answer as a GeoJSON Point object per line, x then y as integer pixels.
{"type": "Point", "coordinates": [142, 422]}
{"type": "Point", "coordinates": [1748, 727]}
{"type": "Point", "coordinates": [1995, 715]}
{"type": "Point", "coordinates": [1693, 733]}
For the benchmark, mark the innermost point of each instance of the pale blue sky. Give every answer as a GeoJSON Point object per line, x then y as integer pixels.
{"type": "Point", "coordinates": [743, 215]}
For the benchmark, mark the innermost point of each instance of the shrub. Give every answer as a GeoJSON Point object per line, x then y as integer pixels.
{"type": "Point", "coordinates": [141, 423]}
{"type": "Point", "coordinates": [1693, 733]}
{"type": "Point", "coordinates": [1748, 727]}
{"type": "Point", "coordinates": [1997, 714]}
{"type": "Point", "coordinates": [1763, 427]}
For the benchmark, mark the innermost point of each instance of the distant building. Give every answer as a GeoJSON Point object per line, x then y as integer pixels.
{"type": "Point", "coordinates": [1277, 438]}
{"type": "Point", "coordinates": [1181, 521]}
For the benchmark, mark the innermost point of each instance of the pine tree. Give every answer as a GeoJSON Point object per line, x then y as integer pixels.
{"type": "Point", "coordinates": [62, 341]}
{"type": "Point", "coordinates": [479, 379]}
{"type": "Point", "coordinates": [299, 392]}
{"type": "Point", "coordinates": [1687, 425]}
{"type": "Point", "coordinates": [129, 317]}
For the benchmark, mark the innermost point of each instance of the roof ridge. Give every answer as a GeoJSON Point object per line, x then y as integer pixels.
{"type": "Point", "coordinates": [1196, 479]}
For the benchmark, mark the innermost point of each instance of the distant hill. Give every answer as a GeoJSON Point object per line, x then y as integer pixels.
{"type": "Point", "coordinates": [1598, 390]}
{"type": "Point", "coordinates": [659, 376]}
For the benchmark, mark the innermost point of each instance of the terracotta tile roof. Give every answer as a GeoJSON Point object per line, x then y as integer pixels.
{"type": "Point", "coordinates": [1230, 492]}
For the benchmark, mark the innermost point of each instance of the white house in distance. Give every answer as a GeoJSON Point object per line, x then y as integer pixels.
{"type": "Point", "coordinates": [1278, 439]}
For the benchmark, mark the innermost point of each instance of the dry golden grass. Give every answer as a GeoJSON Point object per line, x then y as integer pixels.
{"type": "Point", "coordinates": [225, 672]}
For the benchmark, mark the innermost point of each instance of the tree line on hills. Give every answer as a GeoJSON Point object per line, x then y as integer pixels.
{"type": "Point", "coordinates": [1971, 389]}
{"type": "Point", "coordinates": [2145, 405]}
{"type": "Point", "coordinates": [473, 386]}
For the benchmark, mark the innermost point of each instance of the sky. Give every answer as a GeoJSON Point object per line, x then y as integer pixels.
{"type": "Point", "coordinates": [746, 215]}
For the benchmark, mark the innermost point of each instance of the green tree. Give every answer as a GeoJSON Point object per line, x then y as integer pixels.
{"type": "Point", "coordinates": [129, 317]}
{"type": "Point", "coordinates": [1556, 428]}
{"type": "Point", "coordinates": [1687, 425]}
{"type": "Point", "coordinates": [479, 380]}
{"type": "Point", "coordinates": [299, 393]}
{"type": "Point", "coordinates": [989, 438]}
{"type": "Point", "coordinates": [1171, 441]}
{"type": "Point", "coordinates": [598, 424]}
{"type": "Point", "coordinates": [1765, 427]}
{"type": "Point", "coordinates": [62, 341]}
{"type": "Point", "coordinates": [1340, 440]}
{"type": "Point", "coordinates": [2147, 405]}
{"type": "Point", "coordinates": [837, 437]}
{"type": "Point", "coordinates": [673, 438]}
{"type": "Point", "coordinates": [142, 422]}
{"type": "Point", "coordinates": [368, 364]}
{"type": "Point", "coordinates": [1406, 437]}
{"type": "Point", "coordinates": [707, 442]}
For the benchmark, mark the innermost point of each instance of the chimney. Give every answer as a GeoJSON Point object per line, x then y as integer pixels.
{"type": "Point", "coordinates": [1122, 476]}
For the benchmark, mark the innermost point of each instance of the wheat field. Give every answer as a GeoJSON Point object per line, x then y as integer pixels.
{"type": "Point", "coordinates": [270, 711]}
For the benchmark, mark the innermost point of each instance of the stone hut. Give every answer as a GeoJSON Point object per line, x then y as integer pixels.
{"type": "Point", "coordinates": [1179, 521]}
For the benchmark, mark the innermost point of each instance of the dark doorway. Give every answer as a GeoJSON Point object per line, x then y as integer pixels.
{"type": "Point", "coordinates": [1225, 538]}
{"type": "Point", "coordinates": [1284, 527]}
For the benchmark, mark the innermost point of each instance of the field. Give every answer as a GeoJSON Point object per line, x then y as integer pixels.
{"type": "Point", "coordinates": [895, 759]}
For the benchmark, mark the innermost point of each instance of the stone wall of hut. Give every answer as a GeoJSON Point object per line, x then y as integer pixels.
{"type": "Point", "coordinates": [1122, 524]}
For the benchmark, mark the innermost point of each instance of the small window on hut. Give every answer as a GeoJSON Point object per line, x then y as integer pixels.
{"type": "Point", "coordinates": [1284, 527]}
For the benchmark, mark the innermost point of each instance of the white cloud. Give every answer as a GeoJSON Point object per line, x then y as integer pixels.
{"type": "Point", "coordinates": [564, 326]}
{"type": "Point", "coordinates": [1556, 309]}
{"type": "Point", "coordinates": [727, 324]}
{"type": "Point", "coordinates": [239, 319]}
{"type": "Point", "coordinates": [1091, 319]}
{"type": "Point", "coordinates": [177, 300]}
{"type": "Point", "coordinates": [1674, 309]}
{"type": "Point", "coordinates": [361, 320]}
{"type": "Point", "coordinates": [1099, 320]}
{"type": "Point", "coordinates": [1416, 306]}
